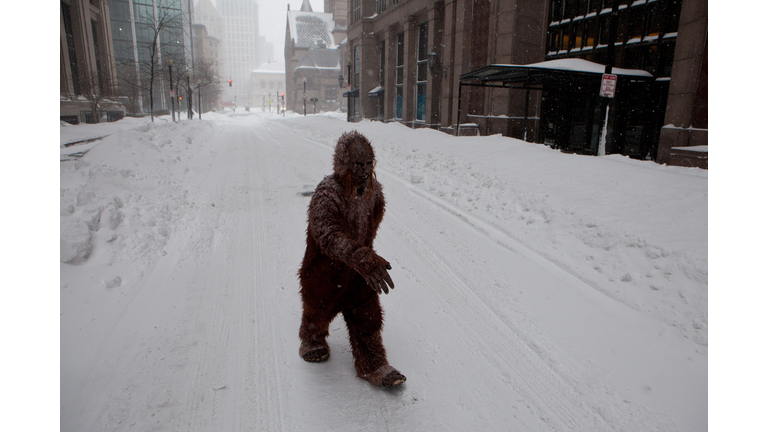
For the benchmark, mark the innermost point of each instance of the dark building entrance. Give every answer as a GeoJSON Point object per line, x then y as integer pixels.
{"type": "Point", "coordinates": [572, 117]}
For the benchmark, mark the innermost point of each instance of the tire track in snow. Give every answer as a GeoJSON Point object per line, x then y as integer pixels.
{"type": "Point", "coordinates": [264, 281]}
{"type": "Point", "coordinates": [224, 346]}
{"type": "Point", "coordinates": [522, 363]}
{"type": "Point", "coordinates": [554, 384]}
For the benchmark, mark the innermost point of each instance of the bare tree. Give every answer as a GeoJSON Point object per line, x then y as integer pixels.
{"type": "Point", "coordinates": [145, 74]}
{"type": "Point", "coordinates": [207, 71]}
{"type": "Point", "coordinates": [205, 74]}
{"type": "Point", "coordinates": [129, 79]}
{"type": "Point", "coordinates": [97, 88]}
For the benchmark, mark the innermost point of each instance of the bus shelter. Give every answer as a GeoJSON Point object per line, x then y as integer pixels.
{"type": "Point", "coordinates": [572, 112]}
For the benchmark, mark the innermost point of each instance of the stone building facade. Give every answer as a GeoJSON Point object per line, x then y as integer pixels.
{"type": "Point", "coordinates": [267, 84]}
{"type": "Point", "coordinates": [312, 52]}
{"type": "Point", "coordinates": [408, 57]}
{"type": "Point", "coordinates": [86, 61]}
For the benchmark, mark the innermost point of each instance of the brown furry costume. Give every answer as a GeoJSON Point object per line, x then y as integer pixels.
{"type": "Point", "coordinates": [343, 217]}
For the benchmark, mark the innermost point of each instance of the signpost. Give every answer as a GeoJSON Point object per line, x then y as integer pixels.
{"type": "Point", "coordinates": [608, 86]}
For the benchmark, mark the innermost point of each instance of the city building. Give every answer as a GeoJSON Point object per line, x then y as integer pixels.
{"type": "Point", "coordinates": [316, 80]}
{"type": "Point", "coordinates": [207, 15]}
{"type": "Point", "coordinates": [267, 86]}
{"type": "Point", "coordinates": [534, 70]}
{"type": "Point", "coordinates": [245, 50]}
{"type": "Point", "coordinates": [311, 53]}
{"type": "Point", "coordinates": [206, 72]}
{"type": "Point", "coordinates": [141, 59]}
{"type": "Point", "coordinates": [87, 63]}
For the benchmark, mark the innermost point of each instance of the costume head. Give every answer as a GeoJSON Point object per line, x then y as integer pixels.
{"type": "Point", "coordinates": [354, 163]}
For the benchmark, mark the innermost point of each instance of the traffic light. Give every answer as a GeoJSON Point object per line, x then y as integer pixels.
{"type": "Point", "coordinates": [282, 95]}
{"type": "Point", "coordinates": [230, 82]}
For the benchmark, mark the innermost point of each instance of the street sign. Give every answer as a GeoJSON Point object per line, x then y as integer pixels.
{"type": "Point", "coordinates": [173, 93]}
{"type": "Point", "coordinates": [608, 86]}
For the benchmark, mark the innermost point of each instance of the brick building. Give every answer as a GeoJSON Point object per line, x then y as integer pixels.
{"type": "Point", "coordinates": [312, 52]}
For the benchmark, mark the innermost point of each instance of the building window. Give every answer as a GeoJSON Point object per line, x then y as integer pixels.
{"type": "Point", "coordinates": [356, 68]}
{"type": "Point", "coordinates": [421, 73]}
{"type": "Point", "coordinates": [382, 62]}
{"type": "Point", "coordinates": [330, 93]}
{"type": "Point", "coordinates": [356, 10]}
{"type": "Point", "coordinates": [71, 47]}
{"type": "Point", "coordinates": [399, 75]}
{"type": "Point", "coordinates": [556, 11]}
{"type": "Point", "coordinates": [356, 77]}
{"type": "Point", "coordinates": [97, 54]}
{"type": "Point", "coordinates": [636, 23]}
{"type": "Point", "coordinates": [381, 6]}
{"type": "Point", "coordinates": [654, 21]}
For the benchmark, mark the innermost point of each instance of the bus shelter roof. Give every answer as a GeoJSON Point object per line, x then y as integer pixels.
{"type": "Point", "coordinates": [549, 72]}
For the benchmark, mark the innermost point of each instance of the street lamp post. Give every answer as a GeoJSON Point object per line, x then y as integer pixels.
{"type": "Point", "coordinates": [189, 96]}
{"type": "Point", "coordinates": [199, 102]}
{"type": "Point", "coordinates": [349, 88]}
{"type": "Point", "coordinates": [305, 96]}
{"type": "Point", "coordinates": [170, 81]}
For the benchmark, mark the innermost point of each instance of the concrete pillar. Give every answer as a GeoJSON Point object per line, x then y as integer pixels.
{"type": "Point", "coordinates": [685, 119]}
{"type": "Point", "coordinates": [390, 44]}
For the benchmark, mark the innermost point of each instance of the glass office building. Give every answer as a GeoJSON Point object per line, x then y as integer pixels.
{"type": "Point", "coordinates": [133, 24]}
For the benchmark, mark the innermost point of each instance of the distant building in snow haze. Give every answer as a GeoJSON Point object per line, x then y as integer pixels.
{"type": "Point", "coordinates": [245, 49]}
{"type": "Point", "coordinates": [267, 83]}
{"type": "Point", "coordinates": [533, 70]}
{"type": "Point", "coordinates": [313, 49]}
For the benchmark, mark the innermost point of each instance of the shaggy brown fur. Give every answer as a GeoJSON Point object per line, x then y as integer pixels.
{"type": "Point", "coordinates": [343, 218]}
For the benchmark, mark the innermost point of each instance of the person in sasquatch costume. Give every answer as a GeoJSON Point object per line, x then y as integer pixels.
{"type": "Point", "coordinates": [341, 273]}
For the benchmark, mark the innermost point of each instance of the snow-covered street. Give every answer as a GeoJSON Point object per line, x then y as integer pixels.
{"type": "Point", "coordinates": [535, 290]}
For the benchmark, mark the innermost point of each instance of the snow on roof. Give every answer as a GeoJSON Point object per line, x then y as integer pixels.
{"type": "Point", "coordinates": [320, 59]}
{"type": "Point", "coordinates": [580, 65]}
{"type": "Point", "coordinates": [271, 67]}
{"type": "Point", "coordinates": [307, 27]}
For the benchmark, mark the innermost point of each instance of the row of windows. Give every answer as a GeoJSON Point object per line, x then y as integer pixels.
{"type": "Point", "coordinates": [641, 22]}
{"type": "Point", "coordinates": [645, 32]}
{"type": "Point", "coordinates": [381, 7]}
{"type": "Point", "coordinates": [421, 71]}
{"type": "Point", "coordinates": [356, 10]}
{"type": "Point", "coordinates": [271, 84]}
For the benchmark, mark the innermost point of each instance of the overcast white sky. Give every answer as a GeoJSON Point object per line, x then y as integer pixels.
{"type": "Point", "coordinates": [272, 15]}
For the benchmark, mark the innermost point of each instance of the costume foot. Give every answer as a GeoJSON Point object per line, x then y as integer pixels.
{"type": "Point", "coordinates": [385, 376]}
{"type": "Point", "coordinates": [317, 356]}
{"type": "Point", "coordinates": [314, 353]}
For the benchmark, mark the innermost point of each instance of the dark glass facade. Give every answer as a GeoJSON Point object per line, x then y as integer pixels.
{"type": "Point", "coordinates": [145, 12]}
{"type": "Point", "coordinates": [645, 36]}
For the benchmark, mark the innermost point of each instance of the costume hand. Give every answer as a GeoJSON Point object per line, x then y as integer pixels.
{"type": "Point", "coordinates": [379, 278]}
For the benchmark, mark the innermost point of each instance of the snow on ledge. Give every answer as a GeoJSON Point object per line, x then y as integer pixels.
{"type": "Point", "coordinates": [701, 148]}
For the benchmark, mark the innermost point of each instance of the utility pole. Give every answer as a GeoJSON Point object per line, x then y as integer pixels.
{"type": "Point", "coordinates": [604, 101]}
{"type": "Point", "coordinates": [349, 88]}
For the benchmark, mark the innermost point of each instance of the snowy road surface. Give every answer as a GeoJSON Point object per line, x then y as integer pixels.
{"type": "Point", "coordinates": [183, 313]}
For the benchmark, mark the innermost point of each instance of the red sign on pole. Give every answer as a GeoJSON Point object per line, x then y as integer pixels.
{"type": "Point", "coordinates": [608, 86]}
